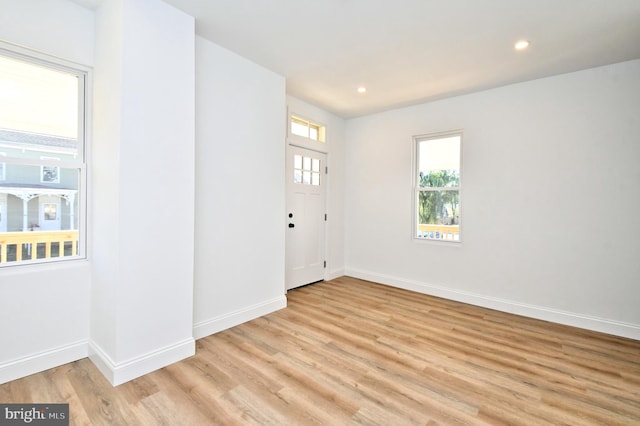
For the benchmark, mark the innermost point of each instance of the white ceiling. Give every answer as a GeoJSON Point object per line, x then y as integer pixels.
{"type": "Point", "coordinates": [411, 51]}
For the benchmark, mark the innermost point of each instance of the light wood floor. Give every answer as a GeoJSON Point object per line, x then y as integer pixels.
{"type": "Point", "coordinates": [350, 351]}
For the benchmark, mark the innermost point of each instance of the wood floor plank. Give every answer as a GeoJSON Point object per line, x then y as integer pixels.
{"type": "Point", "coordinates": [98, 400]}
{"type": "Point", "coordinates": [349, 351]}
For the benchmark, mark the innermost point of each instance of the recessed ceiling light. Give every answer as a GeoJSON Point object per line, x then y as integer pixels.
{"type": "Point", "coordinates": [362, 89]}
{"type": "Point", "coordinates": [521, 44]}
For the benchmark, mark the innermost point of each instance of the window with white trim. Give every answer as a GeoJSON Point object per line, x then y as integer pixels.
{"type": "Point", "coordinates": [307, 129]}
{"type": "Point", "coordinates": [42, 137]}
{"type": "Point", "coordinates": [437, 186]}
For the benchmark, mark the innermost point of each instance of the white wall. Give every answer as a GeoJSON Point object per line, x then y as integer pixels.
{"type": "Point", "coordinates": [551, 173]}
{"type": "Point", "coordinates": [566, 252]}
{"type": "Point", "coordinates": [44, 309]}
{"type": "Point", "coordinates": [334, 146]}
{"type": "Point", "coordinates": [56, 27]}
{"type": "Point", "coordinates": [104, 174]}
{"type": "Point", "coordinates": [239, 245]}
{"type": "Point", "coordinates": [143, 188]}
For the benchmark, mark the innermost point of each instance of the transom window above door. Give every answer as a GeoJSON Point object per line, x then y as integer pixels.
{"type": "Point", "coordinates": [307, 129]}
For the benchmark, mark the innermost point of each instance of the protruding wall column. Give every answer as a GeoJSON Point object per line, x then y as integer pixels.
{"type": "Point", "coordinates": [143, 148]}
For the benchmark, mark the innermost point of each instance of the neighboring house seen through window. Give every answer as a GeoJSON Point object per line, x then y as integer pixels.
{"type": "Point", "coordinates": [43, 170]}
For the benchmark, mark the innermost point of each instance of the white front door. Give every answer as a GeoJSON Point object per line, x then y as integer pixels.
{"type": "Point", "coordinates": [305, 221]}
{"type": "Point", "coordinates": [49, 214]}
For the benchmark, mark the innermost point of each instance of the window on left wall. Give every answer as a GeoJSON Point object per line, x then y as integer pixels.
{"type": "Point", "coordinates": [42, 141]}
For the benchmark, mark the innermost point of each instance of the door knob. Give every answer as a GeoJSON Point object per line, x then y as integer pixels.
{"type": "Point", "coordinates": [291, 225]}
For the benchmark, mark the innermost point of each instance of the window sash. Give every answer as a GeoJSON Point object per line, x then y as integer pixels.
{"type": "Point", "coordinates": [37, 59]}
{"type": "Point", "coordinates": [65, 159]}
{"type": "Point", "coordinates": [446, 217]}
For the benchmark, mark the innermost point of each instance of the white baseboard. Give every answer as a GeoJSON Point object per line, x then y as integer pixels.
{"type": "Point", "coordinates": [118, 373]}
{"type": "Point", "coordinates": [231, 319]}
{"type": "Point", "coordinates": [617, 328]}
{"type": "Point", "coordinates": [45, 360]}
{"type": "Point", "coordinates": [333, 274]}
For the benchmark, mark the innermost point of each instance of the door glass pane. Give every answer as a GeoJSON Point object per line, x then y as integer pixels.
{"type": "Point", "coordinates": [306, 170]}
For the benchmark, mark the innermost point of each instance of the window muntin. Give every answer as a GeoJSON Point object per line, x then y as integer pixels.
{"type": "Point", "coordinates": [42, 130]}
{"type": "Point", "coordinates": [306, 170]}
{"type": "Point", "coordinates": [307, 129]}
{"type": "Point", "coordinates": [437, 187]}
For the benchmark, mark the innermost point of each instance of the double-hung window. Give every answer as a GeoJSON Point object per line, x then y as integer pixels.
{"type": "Point", "coordinates": [42, 139]}
{"type": "Point", "coordinates": [437, 186]}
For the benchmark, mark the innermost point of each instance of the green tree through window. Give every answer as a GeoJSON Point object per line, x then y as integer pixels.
{"type": "Point", "coordinates": [439, 207]}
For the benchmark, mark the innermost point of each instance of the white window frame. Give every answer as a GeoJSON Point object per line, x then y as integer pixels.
{"type": "Point", "coordinates": [416, 187]}
{"type": "Point", "coordinates": [80, 159]}
{"type": "Point", "coordinates": [321, 129]}
{"type": "Point", "coordinates": [3, 167]}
